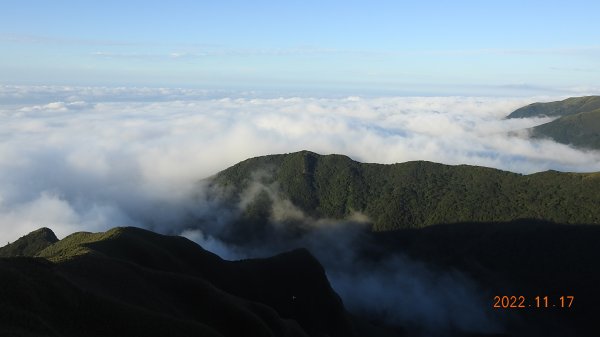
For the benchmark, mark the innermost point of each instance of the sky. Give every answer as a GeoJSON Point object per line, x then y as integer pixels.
{"type": "Point", "coordinates": [358, 47]}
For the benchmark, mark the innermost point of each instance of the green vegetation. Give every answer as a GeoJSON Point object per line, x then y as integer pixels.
{"type": "Point", "coordinates": [580, 130]}
{"type": "Point", "coordinates": [74, 245]}
{"type": "Point", "coordinates": [569, 106]}
{"type": "Point", "coordinates": [418, 194]}
{"type": "Point", "coordinates": [30, 244]}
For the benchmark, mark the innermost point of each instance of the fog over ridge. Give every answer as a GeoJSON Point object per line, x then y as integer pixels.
{"type": "Point", "coordinates": [391, 288]}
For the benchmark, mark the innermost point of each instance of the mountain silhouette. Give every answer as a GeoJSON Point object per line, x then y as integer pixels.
{"type": "Point", "coordinates": [133, 282]}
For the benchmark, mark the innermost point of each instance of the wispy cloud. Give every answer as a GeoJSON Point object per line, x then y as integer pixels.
{"type": "Point", "coordinates": [575, 69]}
{"type": "Point", "coordinates": [582, 50]}
{"type": "Point", "coordinates": [204, 49]}
{"type": "Point", "coordinates": [55, 40]}
{"type": "Point", "coordinates": [27, 94]}
{"type": "Point", "coordinates": [221, 52]}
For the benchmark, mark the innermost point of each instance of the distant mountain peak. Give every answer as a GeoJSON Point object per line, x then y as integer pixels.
{"type": "Point", "coordinates": [30, 244]}
{"type": "Point", "coordinates": [46, 233]}
{"type": "Point", "coordinates": [578, 122]}
{"type": "Point", "coordinates": [569, 106]}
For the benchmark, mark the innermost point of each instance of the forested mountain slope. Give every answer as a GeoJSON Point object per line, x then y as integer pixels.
{"type": "Point", "coordinates": [412, 194]}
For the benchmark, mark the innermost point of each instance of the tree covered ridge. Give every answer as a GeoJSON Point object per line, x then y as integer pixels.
{"type": "Point", "coordinates": [417, 194]}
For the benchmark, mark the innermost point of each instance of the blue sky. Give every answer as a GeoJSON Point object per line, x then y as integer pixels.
{"type": "Point", "coordinates": [401, 47]}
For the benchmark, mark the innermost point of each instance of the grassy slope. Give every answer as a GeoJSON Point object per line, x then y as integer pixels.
{"type": "Point", "coordinates": [581, 129]}
{"type": "Point", "coordinates": [418, 194]}
{"type": "Point", "coordinates": [569, 106]}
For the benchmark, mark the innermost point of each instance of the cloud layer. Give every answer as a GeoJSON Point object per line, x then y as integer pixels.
{"type": "Point", "coordinates": [93, 158]}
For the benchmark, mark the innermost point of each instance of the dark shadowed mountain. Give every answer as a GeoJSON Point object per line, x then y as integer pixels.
{"type": "Point", "coordinates": [30, 244]}
{"type": "Point", "coordinates": [408, 195]}
{"type": "Point", "coordinates": [527, 258]}
{"type": "Point", "coordinates": [132, 282]}
{"type": "Point", "coordinates": [567, 107]}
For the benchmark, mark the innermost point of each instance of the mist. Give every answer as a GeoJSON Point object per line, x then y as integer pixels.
{"type": "Point", "coordinates": [385, 287]}
{"type": "Point", "coordinates": [89, 159]}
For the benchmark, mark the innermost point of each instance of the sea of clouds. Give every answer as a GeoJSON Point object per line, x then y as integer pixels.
{"type": "Point", "coordinates": [88, 158]}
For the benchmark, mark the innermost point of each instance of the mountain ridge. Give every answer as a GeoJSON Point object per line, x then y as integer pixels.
{"type": "Point", "coordinates": [411, 194]}
{"type": "Point", "coordinates": [30, 244]}
{"type": "Point", "coordinates": [569, 106]}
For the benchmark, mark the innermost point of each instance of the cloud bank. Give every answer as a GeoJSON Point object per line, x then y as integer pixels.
{"type": "Point", "coordinates": [93, 158]}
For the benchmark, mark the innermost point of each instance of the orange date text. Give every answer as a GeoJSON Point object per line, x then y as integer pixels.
{"type": "Point", "coordinates": [522, 302]}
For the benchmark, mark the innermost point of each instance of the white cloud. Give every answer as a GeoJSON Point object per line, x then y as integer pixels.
{"type": "Point", "coordinates": [56, 107]}
{"type": "Point", "coordinates": [116, 161]}
{"type": "Point", "coordinates": [41, 95]}
{"type": "Point", "coordinates": [49, 210]}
